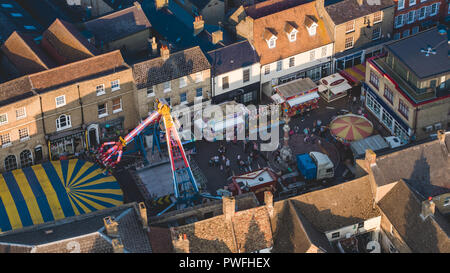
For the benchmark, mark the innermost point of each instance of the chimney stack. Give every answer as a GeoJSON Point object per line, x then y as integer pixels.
{"type": "Point", "coordinates": [441, 136]}
{"type": "Point", "coordinates": [181, 245]}
{"type": "Point", "coordinates": [154, 46]}
{"type": "Point", "coordinates": [111, 226]}
{"type": "Point", "coordinates": [161, 4]}
{"type": "Point", "coordinates": [428, 208]}
{"type": "Point", "coordinates": [165, 52]}
{"type": "Point", "coordinates": [117, 245]}
{"type": "Point", "coordinates": [268, 200]}
{"type": "Point", "coordinates": [143, 213]}
{"type": "Point", "coordinates": [371, 157]}
{"type": "Point", "coordinates": [360, 2]}
{"type": "Point", "coordinates": [217, 36]}
{"type": "Point", "coordinates": [229, 207]}
{"type": "Point", "coordinates": [199, 24]}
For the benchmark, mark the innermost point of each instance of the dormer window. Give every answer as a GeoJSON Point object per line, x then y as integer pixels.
{"type": "Point", "coordinates": [311, 24]}
{"type": "Point", "coordinates": [291, 30]}
{"type": "Point", "coordinates": [270, 38]}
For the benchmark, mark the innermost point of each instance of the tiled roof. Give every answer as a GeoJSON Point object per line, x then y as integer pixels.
{"type": "Point", "coordinates": [403, 209]}
{"type": "Point", "coordinates": [119, 24]}
{"type": "Point", "coordinates": [77, 71]}
{"type": "Point", "coordinates": [15, 90]}
{"type": "Point", "coordinates": [249, 231]}
{"type": "Point", "coordinates": [65, 43]}
{"type": "Point", "coordinates": [232, 57]}
{"type": "Point", "coordinates": [330, 209]}
{"type": "Point", "coordinates": [25, 54]}
{"type": "Point", "coordinates": [269, 7]}
{"type": "Point", "coordinates": [284, 48]}
{"type": "Point", "coordinates": [424, 167]}
{"type": "Point", "coordinates": [347, 10]}
{"type": "Point", "coordinates": [179, 64]}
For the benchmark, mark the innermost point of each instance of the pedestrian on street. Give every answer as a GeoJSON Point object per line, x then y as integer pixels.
{"type": "Point", "coordinates": [238, 158]}
{"type": "Point", "coordinates": [354, 100]}
{"type": "Point", "coordinates": [221, 167]}
{"type": "Point", "coordinates": [216, 160]}
{"type": "Point", "coordinates": [227, 163]}
{"type": "Point", "coordinates": [249, 159]}
{"type": "Point", "coordinates": [306, 131]}
{"type": "Point", "coordinates": [224, 158]}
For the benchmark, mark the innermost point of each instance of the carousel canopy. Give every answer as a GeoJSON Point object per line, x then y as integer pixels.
{"type": "Point", "coordinates": [53, 191]}
{"type": "Point", "coordinates": [350, 127]}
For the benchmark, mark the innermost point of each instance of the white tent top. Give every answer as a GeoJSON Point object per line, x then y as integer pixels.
{"type": "Point", "coordinates": [255, 178]}
{"type": "Point", "coordinates": [218, 126]}
{"type": "Point", "coordinates": [335, 83]}
{"type": "Point", "coordinates": [303, 99]}
{"type": "Point", "coordinates": [277, 98]}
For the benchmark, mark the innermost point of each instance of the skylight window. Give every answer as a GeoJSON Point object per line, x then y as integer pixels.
{"type": "Point", "coordinates": [30, 27]}
{"type": "Point", "coordinates": [7, 6]}
{"type": "Point", "coordinates": [16, 14]}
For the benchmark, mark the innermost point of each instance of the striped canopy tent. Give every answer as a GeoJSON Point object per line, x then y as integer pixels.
{"type": "Point", "coordinates": [350, 127]}
{"type": "Point", "coordinates": [54, 190]}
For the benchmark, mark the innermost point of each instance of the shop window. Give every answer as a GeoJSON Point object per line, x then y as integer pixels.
{"type": "Point", "coordinates": [60, 101]}
{"type": "Point", "coordinates": [102, 110]}
{"type": "Point", "coordinates": [396, 36]}
{"type": "Point", "coordinates": [10, 163]}
{"type": "Point", "coordinates": [38, 156]}
{"type": "Point", "coordinates": [5, 139]}
{"type": "Point", "coordinates": [405, 33]}
{"type": "Point", "coordinates": [348, 42]}
{"type": "Point", "coordinates": [115, 85]}
{"type": "Point", "coordinates": [248, 97]}
{"type": "Point", "coordinates": [225, 83]}
{"type": "Point", "coordinates": [150, 91]}
{"type": "Point", "coordinates": [63, 122]}
{"type": "Point", "coordinates": [3, 119]}
{"type": "Point", "coordinates": [21, 113]}
{"type": "Point", "coordinates": [100, 89]}
{"type": "Point", "coordinates": [387, 119]}
{"type": "Point", "coordinates": [23, 134]}
{"type": "Point", "coordinates": [26, 159]}
{"type": "Point", "coordinates": [403, 109]}
{"type": "Point", "coordinates": [117, 105]}
{"type": "Point", "coordinates": [415, 30]}
{"type": "Point", "coordinates": [246, 75]}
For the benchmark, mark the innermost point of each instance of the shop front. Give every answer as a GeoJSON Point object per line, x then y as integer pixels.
{"type": "Point", "coordinates": [245, 95]}
{"type": "Point", "coordinates": [297, 96]}
{"type": "Point", "coordinates": [67, 143]}
{"type": "Point", "coordinates": [111, 130]}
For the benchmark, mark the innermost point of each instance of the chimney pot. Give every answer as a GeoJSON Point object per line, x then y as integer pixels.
{"type": "Point", "coordinates": [165, 52]}
{"type": "Point", "coordinates": [111, 226]}
{"type": "Point", "coordinates": [181, 245]}
{"type": "Point", "coordinates": [229, 207]}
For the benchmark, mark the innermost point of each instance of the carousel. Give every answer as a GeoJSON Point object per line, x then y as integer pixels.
{"type": "Point", "coordinates": [350, 127]}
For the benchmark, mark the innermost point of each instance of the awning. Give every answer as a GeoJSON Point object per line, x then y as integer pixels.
{"type": "Point", "coordinates": [303, 99]}
{"type": "Point", "coordinates": [228, 123]}
{"type": "Point", "coordinates": [340, 88]}
{"type": "Point", "coordinates": [277, 98]}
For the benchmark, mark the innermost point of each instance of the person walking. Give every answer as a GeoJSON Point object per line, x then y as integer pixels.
{"type": "Point", "coordinates": [238, 159]}
{"type": "Point", "coordinates": [227, 163]}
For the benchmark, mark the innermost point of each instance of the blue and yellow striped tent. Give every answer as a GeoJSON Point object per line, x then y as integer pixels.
{"type": "Point", "coordinates": [54, 190]}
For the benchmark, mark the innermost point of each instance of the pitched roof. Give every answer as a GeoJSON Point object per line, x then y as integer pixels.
{"type": "Point", "coordinates": [65, 43]}
{"type": "Point", "coordinates": [179, 64]}
{"type": "Point", "coordinates": [200, 4]}
{"type": "Point", "coordinates": [77, 71]}
{"type": "Point", "coordinates": [424, 167]}
{"type": "Point", "coordinates": [249, 231]}
{"type": "Point", "coordinates": [277, 21]}
{"type": "Point", "coordinates": [25, 54]}
{"type": "Point", "coordinates": [15, 90]}
{"type": "Point", "coordinates": [232, 57]}
{"type": "Point", "coordinates": [353, 10]}
{"type": "Point", "coordinates": [329, 209]}
{"type": "Point", "coordinates": [119, 24]}
{"type": "Point", "coordinates": [402, 208]}
{"type": "Point", "coordinates": [269, 7]}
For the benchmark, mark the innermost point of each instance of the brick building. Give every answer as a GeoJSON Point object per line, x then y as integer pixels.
{"type": "Point", "coordinates": [412, 16]}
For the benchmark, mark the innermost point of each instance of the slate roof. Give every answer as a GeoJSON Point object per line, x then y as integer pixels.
{"type": "Point", "coordinates": [424, 167]}
{"type": "Point", "coordinates": [179, 64]}
{"type": "Point", "coordinates": [402, 208]}
{"type": "Point", "coordinates": [65, 43]}
{"type": "Point", "coordinates": [277, 21]}
{"type": "Point", "coordinates": [408, 51]}
{"type": "Point", "coordinates": [9, 23]}
{"type": "Point", "coordinates": [232, 57]}
{"type": "Point", "coordinates": [86, 230]}
{"type": "Point", "coordinates": [269, 7]}
{"type": "Point", "coordinates": [25, 54]}
{"type": "Point", "coordinates": [200, 4]}
{"type": "Point", "coordinates": [329, 209]}
{"type": "Point", "coordinates": [353, 10]}
{"type": "Point", "coordinates": [119, 24]}
{"type": "Point", "coordinates": [119, 4]}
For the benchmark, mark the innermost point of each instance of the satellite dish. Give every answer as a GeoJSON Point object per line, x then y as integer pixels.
{"type": "Point", "coordinates": [373, 247]}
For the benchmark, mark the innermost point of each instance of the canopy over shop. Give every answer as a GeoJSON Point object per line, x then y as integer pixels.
{"type": "Point", "coordinates": [333, 87]}
{"type": "Point", "coordinates": [296, 96]}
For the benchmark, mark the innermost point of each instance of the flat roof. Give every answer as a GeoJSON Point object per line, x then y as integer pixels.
{"type": "Point", "coordinates": [408, 50]}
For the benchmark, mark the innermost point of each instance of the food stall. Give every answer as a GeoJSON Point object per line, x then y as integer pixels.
{"type": "Point", "coordinates": [333, 87]}
{"type": "Point", "coordinates": [297, 96]}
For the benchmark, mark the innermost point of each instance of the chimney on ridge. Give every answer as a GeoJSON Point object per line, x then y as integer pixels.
{"type": "Point", "coordinates": [181, 245]}
{"type": "Point", "coordinates": [199, 24]}
{"type": "Point", "coordinates": [111, 226]}
{"type": "Point", "coordinates": [165, 53]}
{"type": "Point", "coordinates": [217, 36]}
{"type": "Point", "coordinates": [143, 214]}
{"type": "Point", "coordinates": [428, 208]}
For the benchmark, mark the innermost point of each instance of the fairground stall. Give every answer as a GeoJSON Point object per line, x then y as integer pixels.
{"type": "Point", "coordinates": [350, 127]}
{"type": "Point", "coordinates": [297, 96]}
{"type": "Point", "coordinates": [333, 87]}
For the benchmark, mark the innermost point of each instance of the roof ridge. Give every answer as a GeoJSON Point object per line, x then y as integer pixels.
{"type": "Point", "coordinates": [223, 47]}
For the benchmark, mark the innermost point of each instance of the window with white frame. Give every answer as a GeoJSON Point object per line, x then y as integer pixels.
{"type": "Point", "coordinates": [5, 139]}
{"type": "Point", "coordinates": [279, 65]}
{"type": "Point", "coordinates": [272, 42]}
{"type": "Point", "coordinates": [376, 33]}
{"type": "Point", "coordinates": [115, 85]}
{"type": "Point", "coordinates": [410, 17]}
{"type": "Point", "coordinates": [150, 91]}
{"type": "Point", "coordinates": [415, 30]}
{"type": "Point", "coordinates": [117, 105]}
{"type": "Point", "coordinates": [350, 26]}
{"type": "Point", "coordinates": [399, 21]}
{"type": "Point", "coordinates": [293, 35]}
{"type": "Point", "coordinates": [312, 55]}
{"type": "Point", "coordinates": [167, 86]}
{"type": "Point", "coordinates": [422, 13]}
{"type": "Point", "coordinates": [246, 75]}
{"type": "Point", "coordinates": [401, 4]}
{"type": "Point", "coordinates": [324, 51]}
{"type": "Point", "coordinates": [291, 61]}
{"type": "Point", "coordinates": [434, 9]}
{"type": "Point", "coordinates": [3, 119]}
{"type": "Point", "coordinates": [183, 82]}
{"type": "Point", "coordinates": [63, 122]}
{"type": "Point", "coordinates": [348, 42]}
{"type": "Point", "coordinates": [102, 110]}
{"type": "Point", "coordinates": [23, 134]}
{"type": "Point", "coordinates": [60, 101]}
{"type": "Point", "coordinates": [100, 89]}
{"type": "Point", "coordinates": [266, 69]}
{"type": "Point", "coordinates": [198, 77]}
{"type": "Point", "coordinates": [412, 3]}
{"type": "Point", "coordinates": [21, 113]}
{"type": "Point", "coordinates": [377, 17]}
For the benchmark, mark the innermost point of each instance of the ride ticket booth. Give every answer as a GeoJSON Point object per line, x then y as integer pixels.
{"type": "Point", "coordinates": [297, 96]}
{"type": "Point", "coordinates": [333, 87]}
